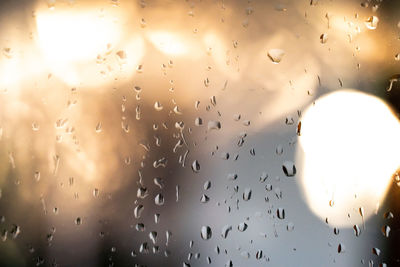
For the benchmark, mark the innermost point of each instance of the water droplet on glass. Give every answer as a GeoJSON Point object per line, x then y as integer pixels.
{"type": "Point", "coordinates": [323, 38]}
{"type": "Point", "coordinates": [196, 166]}
{"type": "Point", "coordinates": [78, 221]}
{"type": "Point", "coordinates": [247, 194]}
{"type": "Point", "coordinates": [206, 232]}
{"type": "Point", "coordinates": [372, 22]}
{"type": "Point", "coordinates": [341, 248]}
{"type": "Point", "coordinates": [357, 230]}
{"type": "Point", "coordinates": [276, 55]}
{"type": "Point", "coordinates": [214, 125]}
{"type": "Point", "coordinates": [225, 231]}
{"type": "Point", "coordinates": [376, 251]}
{"type": "Point", "coordinates": [242, 227]}
{"type": "Point", "coordinates": [386, 230]}
{"type": "Point", "coordinates": [280, 212]}
{"type": "Point", "coordinates": [204, 198]}
{"type": "Point", "coordinates": [198, 121]}
{"type": "Point", "coordinates": [138, 211]}
{"type": "Point", "coordinates": [290, 227]}
{"type": "Point", "coordinates": [207, 185]}
{"type": "Point", "coordinates": [159, 199]}
{"type": "Point", "coordinates": [158, 106]}
{"type": "Point", "coordinates": [289, 169]}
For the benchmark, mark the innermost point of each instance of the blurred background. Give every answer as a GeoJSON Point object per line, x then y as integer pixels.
{"type": "Point", "coordinates": [199, 133]}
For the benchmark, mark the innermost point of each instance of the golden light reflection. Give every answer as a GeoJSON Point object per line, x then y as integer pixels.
{"type": "Point", "coordinates": [85, 46]}
{"type": "Point", "coordinates": [349, 144]}
{"type": "Point", "coordinates": [169, 43]}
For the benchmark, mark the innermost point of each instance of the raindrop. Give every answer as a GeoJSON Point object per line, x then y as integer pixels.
{"type": "Point", "coordinates": [372, 22]}
{"type": "Point", "coordinates": [289, 168]}
{"type": "Point", "coordinates": [138, 211]}
{"type": "Point", "coordinates": [336, 231]}
{"type": "Point", "coordinates": [242, 227]}
{"type": "Point", "coordinates": [214, 125]}
{"type": "Point", "coordinates": [78, 221]}
{"type": "Point", "coordinates": [96, 192]}
{"type": "Point", "coordinates": [153, 237]}
{"type": "Point", "coordinates": [357, 230]}
{"type": "Point", "coordinates": [259, 254]}
{"type": "Point", "coordinates": [232, 176]}
{"type": "Point", "coordinates": [206, 232]}
{"type": "Point", "coordinates": [290, 227]}
{"type": "Point", "coordinates": [225, 231]}
{"type": "Point", "coordinates": [276, 55]}
{"type": "Point", "coordinates": [388, 215]}
{"type": "Point", "coordinates": [196, 166]}
{"type": "Point", "coordinates": [204, 198]}
{"type": "Point", "coordinates": [144, 249]}
{"type": "Point", "coordinates": [207, 185]}
{"type": "Point", "coordinates": [159, 182]}
{"type": "Point", "coordinates": [279, 149]}
{"type": "Point", "coordinates": [323, 38]}
{"type": "Point", "coordinates": [159, 199]}
{"type": "Point", "coordinates": [280, 212]}
{"type": "Point", "coordinates": [386, 230]}
{"type": "Point", "coordinates": [341, 248]}
{"type": "Point", "coordinates": [376, 251]}
{"type": "Point", "coordinates": [198, 121]}
{"type": "Point", "coordinates": [158, 106]}
{"type": "Point", "coordinates": [247, 194]}
{"type": "Point", "coordinates": [140, 227]}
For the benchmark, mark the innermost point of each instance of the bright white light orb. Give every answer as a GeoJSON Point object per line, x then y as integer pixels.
{"type": "Point", "coordinates": [347, 155]}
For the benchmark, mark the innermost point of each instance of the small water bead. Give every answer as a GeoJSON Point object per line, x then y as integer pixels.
{"type": "Point", "coordinates": [263, 177]}
{"type": "Point", "coordinates": [268, 187]}
{"type": "Point", "coordinates": [96, 192]}
{"type": "Point", "coordinates": [204, 198]}
{"type": "Point", "coordinates": [247, 194]}
{"type": "Point", "coordinates": [386, 230]}
{"type": "Point", "coordinates": [140, 227]}
{"type": "Point", "coordinates": [357, 230]}
{"type": "Point", "coordinates": [156, 218]}
{"type": "Point", "coordinates": [276, 55]}
{"type": "Point", "coordinates": [206, 232]}
{"type": "Point", "coordinates": [280, 212]}
{"type": "Point", "coordinates": [372, 22]}
{"type": "Point", "coordinates": [289, 169]}
{"type": "Point", "coordinates": [198, 121]}
{"type": "Point", "coordinates": [138, 211]}
{"type": "Point", "coordinates": [196, 166]}
{"type": "Point", "coordinates": [158, 106]}
{"type": "Point", "coordinates": [376, 251]}
{"type": "Point", "coordinates": [232, 176]}
{"type": "Point", "coordinates": [236, 117]}
{"type": "Point", "coordinates": [242, 227]}
{"type": "Point", "coordinates": [336, 231]}
{"type": "Point", "coordinates": [159, 182]}
{"type": "Point", "coordinates": [388, 215]}
{"type": "Point", "coordinates": [207, 185]}
{"type": "Point", "coordinates": [341, 248]}
{"type": "Point", "coordinates": [323, 38]}
{"type": "Point", "coordinates": [259, 254]}
{"type": "Point", "coordinates": [142, 192]}
{"type": "Point", "coordinates": [78, 221]}
{"type": "Point", "coordinates": [144, 248]}
{"type": "Point", "coordinates": [290, 227]}
{"type": "Point", "coordinates": [153, 237]}
{"type": "Point", "coordinates": [279, 149]}
{"type": "Point", "coordinates": [214, 125]}
{"type": "Point", "coordinates": [159, 199]}
{"type": "Point", "coordinates": [225, 231]}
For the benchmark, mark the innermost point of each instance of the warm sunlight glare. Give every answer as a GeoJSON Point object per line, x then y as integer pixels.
{"type": "Point", "coordinates": [168, 43]}
{"type": "Point", "coordinates": [349, 147]}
